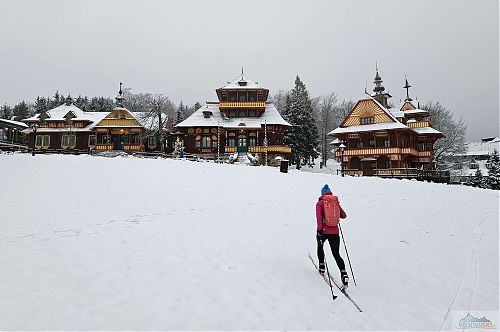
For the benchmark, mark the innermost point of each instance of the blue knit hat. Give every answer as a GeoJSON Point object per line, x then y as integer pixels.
{"type": "Point", "coordinates": [325, 190]}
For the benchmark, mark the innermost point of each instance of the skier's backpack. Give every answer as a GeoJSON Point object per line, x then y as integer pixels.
{"type": "Point", "coordinates": [332, 210]}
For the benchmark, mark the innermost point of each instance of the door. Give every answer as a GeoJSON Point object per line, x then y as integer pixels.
{"type": "Point", "coordinates": [242, 143]}
{"type": "Point", "coordinates": [123, 141]}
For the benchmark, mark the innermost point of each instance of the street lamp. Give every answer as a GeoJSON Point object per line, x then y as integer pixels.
{"type": "Point", "coordinates": [342, 148]}
{"type": "Point", "coordinates": [34, 127]}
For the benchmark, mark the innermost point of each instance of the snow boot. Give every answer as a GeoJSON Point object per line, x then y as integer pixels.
{"type": "Point", "coordinates": [321, 268]}
{"type": "Point", "coordinates": [344, 278]}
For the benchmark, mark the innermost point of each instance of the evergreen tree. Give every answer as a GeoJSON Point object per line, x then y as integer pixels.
{"type": "Point", "coordinates": [21, 110]}
{"type": "Point", "coordinates": [5, 112]}
{"type": "Point", "coordinates": [41, 104]}
{"type": "Point", "coordinates": [179, 114]}
{"type": "Point", "coordinates": [493, 180]}
{"type": "Point", "coordinates": [57, 100]}
{"type": "Point", "coordinates": [303, 136]}
{"type": "Point", "coordinates": [477, 180]}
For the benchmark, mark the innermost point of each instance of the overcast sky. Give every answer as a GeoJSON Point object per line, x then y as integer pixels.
{"type": "Point", "coordinates": [187, 49]}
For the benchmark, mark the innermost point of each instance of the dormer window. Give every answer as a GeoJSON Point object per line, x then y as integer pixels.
{"type": "Point", "coordinates": [367, 120]}
{"type": "Point", "coordinates": [207, 114]}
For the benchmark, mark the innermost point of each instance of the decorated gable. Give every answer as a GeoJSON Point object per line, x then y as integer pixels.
{"type": "Point", "coordinates": [407, 106]}
{"type": "Point", "coordinates": [367, 111]}
{"type": "Point", "coordinates": [119, 118]}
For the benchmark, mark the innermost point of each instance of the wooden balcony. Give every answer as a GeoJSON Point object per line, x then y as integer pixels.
{"type": "Point", "coordinates": [419, 124]}
{"type": "Point", "coordinates": [271, 148]}
{"type": "Point", "coordinates": [242, 104]}
{"type": "Point", "coordinates": [229, 149]}
{"type": "Point", "coordinates": [425, 153]}
{"type": "Point", "coordinates": [378, 151]}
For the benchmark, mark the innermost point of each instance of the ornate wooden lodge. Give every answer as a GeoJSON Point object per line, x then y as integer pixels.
{"type": "Point", "coordinates": [242, 122]}
{"type": "Point", "coordinates": [68, 128]}
{"type": "Point", "coordinates": [382, 142]}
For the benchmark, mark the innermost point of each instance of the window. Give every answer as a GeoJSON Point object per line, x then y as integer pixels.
{"type": "Point", "coordinates": [251, 113]}
{"type": "Point", "coordinates": [104, 139]}
{"type": "Point", "coordinates": [136, 139]}
{"type": "Point", "coordinates": [197, 144]}
{"type": "Point", "coordinates": [42, 141]}
{"type": "Point", "coordinates": [242, 113]}
{"type": "Point", "coordinates": [232, 114]}
{"type": "Point", "coordinates": [68, 141]}
{"type": "Point", "coordinates": [232, 142]}
{"type": "Point", "coordinates": [243, 97]}
{"type": "Point", "coordinates": [387, 143]}
{"type": "Point", "coordinates": [206, 142]}
{"type": "Point", "coordinates": [251, 141]}
{"type": "Point", "coordinates": [371, 143]}
{"type": "Point", "coordinates": [92, 140]}
{"type": "Point", "coordinates": [368, 120]}
{"type": "Point", "coordinates": [473, 166]}
{"type": "Point", "coordinates": [151, 141]}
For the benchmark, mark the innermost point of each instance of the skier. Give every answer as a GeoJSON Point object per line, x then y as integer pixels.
{"type": "Point", "coordinates": [328, 212]}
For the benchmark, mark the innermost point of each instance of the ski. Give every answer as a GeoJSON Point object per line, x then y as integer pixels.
{"type": "Point", "coordinates": [337, 284]}
{"type": "Point", "coordinates": [325, 278]}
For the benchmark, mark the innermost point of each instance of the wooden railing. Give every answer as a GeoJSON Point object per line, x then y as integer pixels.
{"type": "Point", "coordinates": [419, 124]}
{"type": "Point", "coordinates": [377, 151]}
{"type": "Point", "coordinates": [103, 147]}
{"type": "Point", "coordinates": [133, 147]}
{"type": "Point", "coordinates": [229, 149]}
{"type": "Point", "coordinates": [271, 148]}
{"type": "Point", "coordinates": [242, 104]}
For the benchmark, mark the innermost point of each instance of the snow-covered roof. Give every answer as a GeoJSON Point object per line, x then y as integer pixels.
{"type": "Point", "coordinates": [93, 117]}
{"type": "Point", "coordinates": [335, 142]}
{"type": "Point", "coordinates": [427, 131]}
{"type": "Point", "coordinates": [368, 127]}
{"type": "Point", "coordinates": [398, 114]}
{"type": "Point", "coordinates": [235, 84]}
{"type": "Point", "coordinates": [270, 116]}
{"type": "Point", "coordinates": [58, 113]}
{"type": "Point", "coordinates": [416, 111]}
{"type": "Point", "coordinates": [14, 123]}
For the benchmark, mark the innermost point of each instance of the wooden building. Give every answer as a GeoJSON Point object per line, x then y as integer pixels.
{"type": "Point", "coordinates": [383, 142]}
{"type": "Point", "coordinates": [67, 128]}
{"type": "Point", "coordinates": [241, 123]}
{"type": "Point", "coordinates": [11, 135]}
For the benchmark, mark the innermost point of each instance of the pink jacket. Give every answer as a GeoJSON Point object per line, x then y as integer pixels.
{"type": "Point", "coordinates": [319, 217]}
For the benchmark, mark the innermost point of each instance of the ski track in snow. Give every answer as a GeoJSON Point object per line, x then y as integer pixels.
{"type": "Point", "coordinates": [216, 247]}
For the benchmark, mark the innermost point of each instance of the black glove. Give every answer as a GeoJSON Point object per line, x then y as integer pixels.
{"type": "Point", "coordinates": [319, 235]}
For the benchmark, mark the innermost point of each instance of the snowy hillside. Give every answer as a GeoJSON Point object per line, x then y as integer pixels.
{"type": "Point", "coordinates": [124, 243]}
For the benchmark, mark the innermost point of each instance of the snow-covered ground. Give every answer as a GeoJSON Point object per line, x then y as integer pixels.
{"type": "Point", "coordinates": [125, 243]}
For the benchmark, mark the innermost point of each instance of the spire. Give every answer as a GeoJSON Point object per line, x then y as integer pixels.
{"type": "Point", "coordinates": [242, 81]}
{"type": "Point", "coordinates": [407, 87]}
{"type": "Point", "coordinates": [379, 88]}
{"type": "Point", "coordinates": [120, 99]}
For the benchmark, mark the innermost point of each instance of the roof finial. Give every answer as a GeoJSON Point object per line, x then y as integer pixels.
{"type": "Point", "coordinates": [407, 87]}
{"type": "Point", "coordinates": [120, 99]}
{"type": "Point", "coordinates": [241, 71]}
{"type": "Point", "coordinates": [379, 88]}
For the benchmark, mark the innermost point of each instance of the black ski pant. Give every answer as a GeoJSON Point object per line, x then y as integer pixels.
{"type": "Point", "coordinates": [334, 240]}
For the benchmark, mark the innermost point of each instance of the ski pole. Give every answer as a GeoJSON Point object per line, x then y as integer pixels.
{"type": "Point", "coordinates": [348, 259]}
{"type": "Point", "coordinates": [329, 280]}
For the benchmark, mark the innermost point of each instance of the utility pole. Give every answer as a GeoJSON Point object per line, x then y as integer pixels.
{"type": "Point", "coordinates": [265, 139]}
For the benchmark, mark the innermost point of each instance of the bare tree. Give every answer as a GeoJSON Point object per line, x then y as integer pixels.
{"type": "Point", "coordinates": [279, 100]}
{"type": "Point", "coordinates": [325, 118]}
{"type": "Point", "coordinates": [454, 131]}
